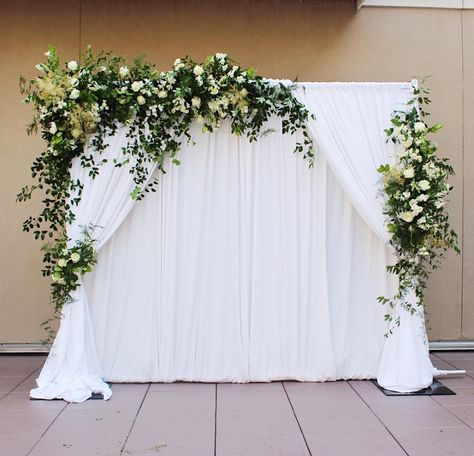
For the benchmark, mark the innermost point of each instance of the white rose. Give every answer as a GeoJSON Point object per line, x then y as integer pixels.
{"type": "Point", "coordinates": [74, 94]}
{"type": "Point", "coordinates": [73, 82]}
{"type": "Point", "coordinates": [75, 257]}
{"type": "Point", "coordinates": [407, 216]}
{"type": "Point", "coordinates": [424, 185]}
{"type": "Point", "coordinates": [123, 71]}
{"type": "Point", "coordinates": [141, 100]}
{"type": "Point", "coordinates": [53, 128]}
{"type": "Point", "coordinates": [72, 65]}
{"type": "Point", "coordinates": [137, 85]}
{"type": "Point", "coordinates": [162, 94]}
{"type": "Point", "coordinates": [420, 127]}
{"type": "Point", "coordinates": [196, 102]}
{"type": "Point", "coordinates": [61, 262]}
{"type": "Point", "coordinates": [407, 142]}
{"type": "Point", "coordinates": [409, 173]}
{"type": "Point", "coordinates": [198, 70]}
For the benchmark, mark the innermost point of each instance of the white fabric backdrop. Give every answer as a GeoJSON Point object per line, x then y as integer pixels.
{"type": "Point", "coordinates": [246, 265]}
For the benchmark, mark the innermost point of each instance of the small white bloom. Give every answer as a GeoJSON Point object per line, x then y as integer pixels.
{"type": "Point", "coordinates": [179, 66]}
{"type": "Point", "coordinates": [72, 65]}
{"type": "Point", "coordinates": [53, 128]}
{"type": "Point", "coordinates": [123, 71]}
{"type": "Point", "coordinates": [424, 185]}
{"type": "Point", "coordinates": [61, 104]}
{"type": "Point", "coordinates": [74, 94]}
{"type": "Point", "coordinates": [407, 142]}
{"type": "Point", "coordinates": [137, 85]}
{"type": "Point", "coordinates": [198, 70]}
{"type": "Point", "coordinates": [61, 262]}
{"type": "Point", "coordinates": [245, 109]}
{"type": "Point", "coordinates": [422, 197]}
{"type": "Point", "coordinates": [220, 56]}
{"type": "Point", "coordinates": [177, 62]}
{"type": "Point", "coordinates": [39, 67]}
{"type": "Point", "coordinates": [409, 173]}
{"type": "Point", "coordinates": [407, 216]}
{"type": "Point", "coordinates": [244, 92]}
{"type": "Point", "coordinates": [73, 82]}
{"type": "Point", "coordinates": [47, 54]}
{"type": "Point", "coordinates": [420, 127]}
{"type": "Point", "coordinates": [240, 79]}
{"type": "Point", "coordinates": [200, 119]}
{"type": "Point", "coordinates": [75, 257]}
{"type": "Point", "coordinates": [196, 102]}
{"type": "Point", "coordinates": [213, 90]}
{"type": "Point", "coordinates": [162, 94]}
{"type": "Point", "coordinates": [141, 100]}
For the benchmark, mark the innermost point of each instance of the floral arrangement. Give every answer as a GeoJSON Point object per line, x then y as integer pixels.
{"type": "Point", "coordinates": [416, 187]}
{"type": "Point", "coordinates": [78, 104]}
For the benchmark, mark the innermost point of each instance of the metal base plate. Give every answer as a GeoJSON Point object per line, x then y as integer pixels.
{"type": "Point", "coordinates": [435, 389]}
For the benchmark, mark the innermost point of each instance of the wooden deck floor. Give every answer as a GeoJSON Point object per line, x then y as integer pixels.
{"type": "Point", "coordinates": [277, 419]}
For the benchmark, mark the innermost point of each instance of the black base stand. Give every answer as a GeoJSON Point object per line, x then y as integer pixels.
{"type": "Point", "coordinates": [435, 389]}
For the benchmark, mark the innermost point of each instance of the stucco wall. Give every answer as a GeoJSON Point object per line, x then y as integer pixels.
{"type": "Point", "coordinates": [308, 40]}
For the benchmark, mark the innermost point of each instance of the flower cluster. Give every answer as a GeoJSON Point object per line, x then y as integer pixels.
{"type": "Point", "coordinates": [416, 187]}
{"type": "Point", "coordinates": [84, 103]}
{"type": "Point", "coordinates": [66, 264]}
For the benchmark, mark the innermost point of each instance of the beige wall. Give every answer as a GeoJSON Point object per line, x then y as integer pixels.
{"type": "Point", "coordinates": [309, 40]}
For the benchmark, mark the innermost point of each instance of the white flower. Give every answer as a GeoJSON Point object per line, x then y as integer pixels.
{"type": "Point", "coordinates": [213, 90]}
{"type": "Point", "coordinates": [179, 66]}
{"type": "Point", "coordinates": [409, 173]}
{"type": "Point", "coordinates": [420, 127]}
{"type": "Point", "coordinates": [240, 79]}
{"type": "Point", "coordinates": [72, 65]}
{"type": "Point", "coordinates": [123, 71]}
{"type": "Point", "coordinates": [198, 70]}
{"type": "Point", "coordinates": [76, 132]}
{"type": "Point", "coordinates": [141, 100]}
{"type": "Point", "coordinates": [137, 85]}
{"type": "Point", "coordinates": [39, 67]}
{"type": "Point", "coordinates": [416, 209]}
{"type": "Point", "coordinates": [75, 257]}
{"type": "Point", "coordinates": [162, 94]}
{"type": "Point", "coordinates": [61, 104]}
{"type": "Point", "coordinates": [245, 109]}
{"type": "Point", "coordinates": [424, 185]}
{"type": "Point", "coordinates": [407, 216]}
{"type": "Point", "coordinates": [177, 62]}
{"type": "Point", "coordinates": [47, 54]}
{"type": "Point", "coordinates": [220, 56]}
{"type": "Point", "coordinates": [406, 194]}
{"type": "Point", "coordinates": [439, 204]}
{"type": "Point", "coordinates": [407, 142]}
{"type": "Point", "coordinates": [74, 94]}
{"type": "Point", "coordinates": [61, 262]}
{"type": "Point", "coordinates": [422, 197]}
{"type": "Point", "coordinates": [244, 92]}
{"type": "Point", "coordinates": [196, 102]}
{"type": "Point", "coordinates": [53, 128]}
{"type": "Point", "coordinates": [73, 82]}
{"type": "Point", "coordinates": [200, 119]}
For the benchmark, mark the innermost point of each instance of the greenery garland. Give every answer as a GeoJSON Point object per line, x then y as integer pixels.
{"type": "Point", "coordinates": [416, 187]}
{"type": "Point", "coordinates": [83, 104]}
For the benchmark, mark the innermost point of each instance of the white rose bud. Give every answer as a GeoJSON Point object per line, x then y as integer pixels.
{"type": "Point", "coordinates": [420, 127]}
{"type": "Point", "coordinates": [123, 71]}
{"type": "Point", "coordinates": [72, 65]}
{"type": "Point", "coordinates": [196, 102]}
{"type": "Point", "coordinates": [424, 185]}
{"type": "Point", "coordinates": [74, 94]}
{"type": "Point", "coordinates": [137, 85]}
{"type": "Point", "coordinates": [75, 257]}
{"type": "Point", "coordinates": [407, 216]}
{"type": "Point", "coordinates": [53, 128]}
{"type": "Point", "coordinates": [198, 70]}
{"type": "Point", "coordinates": [141, 100]}
{"type": "Point", "coordinates": [409, 173]}
{"type": "Point", "coordinates": [61, 262]}
{"type": "Point", "coordinates": [177, 62]}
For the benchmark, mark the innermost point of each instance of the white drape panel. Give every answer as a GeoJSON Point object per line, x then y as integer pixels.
{"type": "Point", "coordinates": [245, 265]}
{"type": "Point", "coordinates": [349, 129]}
{"type": "Point", "coordinates": [72, 370]}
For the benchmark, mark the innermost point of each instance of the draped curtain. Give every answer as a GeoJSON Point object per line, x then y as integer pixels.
{"type": "Point", "coordinates": [246, 265]}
